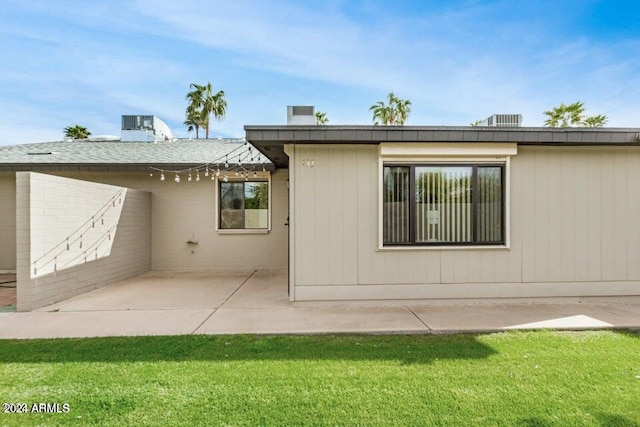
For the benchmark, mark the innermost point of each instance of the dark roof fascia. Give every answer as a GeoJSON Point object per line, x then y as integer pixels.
{"type": "Point", "coordinates": [353, 134]}
{"type": "Point", "coordinates": [269, 140]}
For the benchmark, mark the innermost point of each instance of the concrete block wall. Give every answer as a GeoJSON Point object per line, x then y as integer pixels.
{"type": "Point", "coordinates": [74, 236]}
{"type": "Point", "coordinates": [181, 212]}
{"type": "Point", "coordinates": [187, 211]}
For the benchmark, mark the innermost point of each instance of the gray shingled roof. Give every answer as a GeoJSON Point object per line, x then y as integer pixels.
{"type": "Point", "coordinates": [122, 155]}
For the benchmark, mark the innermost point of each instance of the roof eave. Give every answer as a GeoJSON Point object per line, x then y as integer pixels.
{"type": "Point", "coordinates": [269, 140]}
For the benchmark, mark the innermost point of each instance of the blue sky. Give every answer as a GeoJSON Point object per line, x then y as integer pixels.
{"type": "Point", "coordinates": [68, 62]}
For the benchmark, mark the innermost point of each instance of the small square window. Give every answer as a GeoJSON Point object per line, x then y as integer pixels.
{"type": "Point", "coordinates": [244, 205]}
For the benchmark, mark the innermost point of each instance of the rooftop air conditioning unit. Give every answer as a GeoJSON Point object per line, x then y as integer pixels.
{"type": "Point", "coordinates": [503, 120]}
{"type": "Point", "coordinates": [144, 128]}
{"type": "Point", "coordinates": [301, 115]}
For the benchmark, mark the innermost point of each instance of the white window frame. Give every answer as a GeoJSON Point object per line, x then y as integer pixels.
{"type": "Point", "coordinates": [450, 154]}
{"type": "Point", "coordinates": [231, 177]}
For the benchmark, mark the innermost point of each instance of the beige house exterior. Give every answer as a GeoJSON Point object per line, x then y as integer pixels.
{"type": "Point", "coordinates": [48, 199]}
{"type": "Point", "coordinates": [355, 213]}
{"type": "Point", "coordinates": [567, 224]}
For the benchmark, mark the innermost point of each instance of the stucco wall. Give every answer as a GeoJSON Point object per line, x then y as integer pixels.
{"type": "Point", "coordinates": [74, 236]}
{"type": "Point", "coordinates": [181, 212]}
{"type": "Point", "coordinates": [7, 221]}
{"type": "Point", "coordinates": [574, 230]}
{"type": "Point", "coordinates": [187, 211]}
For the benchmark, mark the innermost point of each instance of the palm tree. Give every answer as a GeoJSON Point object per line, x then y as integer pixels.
{"type": "Point", "coordinates": [403, 109]}
{"type": "Point", "coordinates": [565, 115]}
{"type": "Point", "coordinates": [321, 118]}
{"type": "Point", "coordinates": [194, 109]}
{"type": "Point", "coordinates": [76, 132]}
{"type": "Point", "coordinates": [212, 104]}
{"type": "Point", "coordinates": [573, 115]}
{"type": "Point", "coordinates": [193, 119]}
{"type": "Point", "coordinates": [475, 123]}
{"type": "Point", "coordinates": [381, 112]}
{"type": "Point", "coordinates": [595, 121]}
{"type": "Point", "coordinates": [395, 112]}
{"type": "Point", "coordinates": [190, 127]}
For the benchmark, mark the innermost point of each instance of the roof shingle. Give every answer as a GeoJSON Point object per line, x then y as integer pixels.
{"type": "Point", "coordinates": [84, 152]}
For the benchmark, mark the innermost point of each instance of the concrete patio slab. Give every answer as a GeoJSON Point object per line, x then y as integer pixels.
{"type": "Point", "coordinates": [312, 320]}
{"type": "Point", "coordinates": [579, 321]}
{"type": "Point", "coordinates": [481, 318]}
{"type": "Point", "coordinates": [101, 323]}
{"type": "Point", "coordinates": [620, 313]}
{"type": "Point", "coordinates": [159, 290]}
{"type": "Point", "coordinates": [264, 289]}
{"type": "Point", "coordinates": [256, 302]}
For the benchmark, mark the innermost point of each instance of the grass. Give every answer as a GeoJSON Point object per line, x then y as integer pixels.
{"type": "Point", "coordinates": [516, 378]}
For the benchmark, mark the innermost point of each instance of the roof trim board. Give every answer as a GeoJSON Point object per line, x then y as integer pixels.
{"type": "Point", "coordinates": [269, 140]}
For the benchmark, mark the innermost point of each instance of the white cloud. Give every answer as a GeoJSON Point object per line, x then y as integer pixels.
{"type": "Point", "coordinates": [449, 73]}
{"type": "Point", "coordinates": [457, 64]}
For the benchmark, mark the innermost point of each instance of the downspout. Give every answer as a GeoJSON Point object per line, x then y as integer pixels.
{"type": "Point", "coordinates": [289, 149]}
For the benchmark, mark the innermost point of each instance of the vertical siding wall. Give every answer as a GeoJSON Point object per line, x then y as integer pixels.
{"type": "Point", "coordinates": [74, 236]}
{"type": "Point", "coordinates": [7, 221]}
{"type": "Point", "coordinates": [575, 230]}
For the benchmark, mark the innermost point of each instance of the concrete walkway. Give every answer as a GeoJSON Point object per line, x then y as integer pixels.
{"type": "Point", "coordinates": [161, 303]}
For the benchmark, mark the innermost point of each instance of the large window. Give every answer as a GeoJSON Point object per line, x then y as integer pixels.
{"type": "Point", "coordinates": [244, 205]}
{"type": "Point", "coordinates": [435, 204]}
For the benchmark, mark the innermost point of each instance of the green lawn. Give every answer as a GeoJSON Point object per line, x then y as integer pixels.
{"type": "Point", "coordinates": [516, 378]}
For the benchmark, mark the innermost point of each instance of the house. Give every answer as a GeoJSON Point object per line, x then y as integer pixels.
{"type": "Point", "coordinates": [76, 215]}
{"type": "Point", "coordinates": [458, 213]}
{"type": "Point", "coordinates": [355, 213]}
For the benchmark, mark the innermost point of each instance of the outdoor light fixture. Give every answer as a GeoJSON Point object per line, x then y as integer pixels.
{"type": "Point", "coordinates": [241, 168]}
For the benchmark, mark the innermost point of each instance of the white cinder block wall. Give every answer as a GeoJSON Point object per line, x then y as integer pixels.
{"type": "Point", "coordinates": [180, 212]}
{"type": "Point", "coordinates": [187, 211]}
{"type": "Point", "coordinates": [74, 236]}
